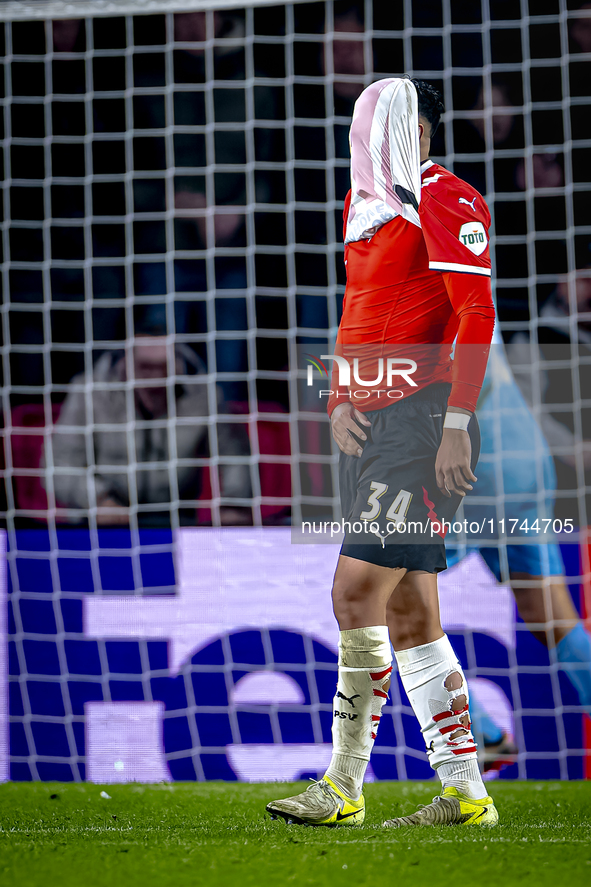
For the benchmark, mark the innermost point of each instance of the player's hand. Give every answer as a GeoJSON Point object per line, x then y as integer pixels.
{"type": "Point", "coordinates": [345, 421]}
{"type": "Point", "coordinates": [452, 465]}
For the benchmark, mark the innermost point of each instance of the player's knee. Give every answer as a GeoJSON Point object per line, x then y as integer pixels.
{"type": "Point", "coordinates": [349, 599]}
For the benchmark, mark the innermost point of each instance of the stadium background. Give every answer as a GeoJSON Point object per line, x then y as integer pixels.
{"type": "Point", "coordinates": [182, 175]}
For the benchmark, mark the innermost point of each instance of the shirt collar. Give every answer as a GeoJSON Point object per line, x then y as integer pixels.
{"type": "Point", "coordinates": [426, 164]}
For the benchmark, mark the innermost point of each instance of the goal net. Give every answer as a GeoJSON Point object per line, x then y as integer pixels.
{"type": "Point", "coordinates": [173, 185]}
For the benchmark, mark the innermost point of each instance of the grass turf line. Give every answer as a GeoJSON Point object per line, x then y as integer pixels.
{"type": "Point", "coordinates": [217, 834]}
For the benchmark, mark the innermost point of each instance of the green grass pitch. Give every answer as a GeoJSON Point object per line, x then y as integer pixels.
{"type": "Point", "coordinates": [218, 834]}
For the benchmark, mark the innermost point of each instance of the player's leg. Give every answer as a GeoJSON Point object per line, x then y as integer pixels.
{"type": "Point", "coordinates": [431, 673]}
{"type": "Point", "coordinates": [380, 492]}
{"type": "Point", "coordinates": [544, 604]}
{"type": "Point", "coordinates": [438, 692]}
{"type": "Point", "coordinates": [399, 503]}
{"type": "Point", "coordinates": [434, 682]}
{"type": "Point", "coordinates": [546, 607]}
{"type": "Point", "coordinates": [497, 749]}
{"type": "Point", "coordinates": [360, 593]}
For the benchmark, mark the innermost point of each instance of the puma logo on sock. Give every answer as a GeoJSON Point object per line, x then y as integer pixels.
{"type": "Point", "coordinates": [348, 699]}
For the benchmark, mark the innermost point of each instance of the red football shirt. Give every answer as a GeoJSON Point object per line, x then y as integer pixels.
{"type": "Point", "coordinates": [411, 286]}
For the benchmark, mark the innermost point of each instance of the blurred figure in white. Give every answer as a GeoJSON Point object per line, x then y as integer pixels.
{"type": "Point", "coordinates": [127, 441]}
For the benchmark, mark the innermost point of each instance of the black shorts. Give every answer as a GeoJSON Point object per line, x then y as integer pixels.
{"type": "Point", "coordinates": [391, 505]}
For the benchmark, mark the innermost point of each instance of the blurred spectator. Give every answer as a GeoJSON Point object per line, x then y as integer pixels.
{"type": "Point", "coordinates": [200, 225]}
{"type": "Point", "coordinates": [190, 61]}
{"type": "Point", "coordinates": [503, 117]}
{"type": "Point", "coordinates": [555, 314]}
{"type": "Point", "coordinates": [150, 406]}
{"type": "Point", "coordinates": [547, 172]}
{"type": "Point", "coordinates": [191, 27]}
{"type": "Point", "coordinates": [348, 57]}
{"type": "Point", "coordinates": [580, 31]}
{"type": "Point", "coordinates": [553, 364]}
{"type": "Point", "coordinates": [471, 135]}
{"type": "Point", "coordinates": [226, 226]}
{"type": "Point", "coordinates": [507, 126]}
{"type": "Point", "coordinates": [507, 133]}
{"type": "Point", "coordinates": [68, 35]}
{"type": "Point", "coordinates": [192, 232]}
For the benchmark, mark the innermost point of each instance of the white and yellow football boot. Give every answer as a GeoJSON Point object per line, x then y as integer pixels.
{"type": "Point", "coordinates": [451, 807]}
{"type": "Point", "coordinates": [321, 804]}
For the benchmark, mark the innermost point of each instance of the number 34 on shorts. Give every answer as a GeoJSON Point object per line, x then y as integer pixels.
{"type": "Point", "coordinates": [397, 511]}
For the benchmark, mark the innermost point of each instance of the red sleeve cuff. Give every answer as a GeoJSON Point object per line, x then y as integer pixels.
{"type": "Point", "coordinates": [464, 395]}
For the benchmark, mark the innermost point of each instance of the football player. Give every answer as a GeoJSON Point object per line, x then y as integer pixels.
{"type": "Point", "coordinates": [418, 279]}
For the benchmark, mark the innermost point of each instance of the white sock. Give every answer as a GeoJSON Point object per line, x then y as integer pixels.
{"type": "Point", "coordinates": [463, 775]}
{"type": "Point", "coordinates": [365, 666]}
{"type": "Point", "coordinates": [438, 692]}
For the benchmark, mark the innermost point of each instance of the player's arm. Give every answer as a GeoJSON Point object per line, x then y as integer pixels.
{"type": "Point", "coordinates": [455, 222]}
{"type": "Point", "coordinates": [471, 298]}
{"type": "Point", "coordinates": [346, 422]}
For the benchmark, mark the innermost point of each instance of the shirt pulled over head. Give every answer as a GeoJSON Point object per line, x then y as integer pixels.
{"type": "Point", "coordinates": [385, 158]}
